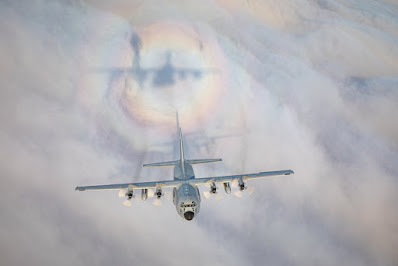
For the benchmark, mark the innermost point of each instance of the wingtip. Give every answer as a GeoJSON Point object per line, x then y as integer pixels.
{"type": "Point", "coordinates": [289, 172]}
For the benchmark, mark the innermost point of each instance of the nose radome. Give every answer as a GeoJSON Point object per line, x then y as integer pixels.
{"type": "Point", "coordinates": [188, 215]}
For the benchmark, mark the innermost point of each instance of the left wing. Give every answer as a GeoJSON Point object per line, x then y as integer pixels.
{"type": "Point", "coordinates": [132, 186]}
{"type": "Point", "coordinates": [231, 178]}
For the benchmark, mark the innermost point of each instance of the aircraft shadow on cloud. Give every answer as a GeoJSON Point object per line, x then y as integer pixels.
{"type": "Point", "coordinates": [199, 140]}
{"type": "Point", "coordinates": [163, 76]}
{"type": "Point", "coordinates": [185, 192]}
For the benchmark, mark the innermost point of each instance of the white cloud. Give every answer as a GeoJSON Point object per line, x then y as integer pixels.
{"type": "Point", "coordinates": [309, 88]}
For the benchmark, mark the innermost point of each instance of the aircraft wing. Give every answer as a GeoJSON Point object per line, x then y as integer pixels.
{"type": "Point", "coordinates": [232, 178]}
{"type": "Point", "coordinates": [177, 183]}
{"type": "Point", "coordinates": [132, 186]}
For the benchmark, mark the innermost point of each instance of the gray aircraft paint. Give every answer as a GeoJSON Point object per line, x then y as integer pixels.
{"type": "Point", "coordinates": [186, 195]}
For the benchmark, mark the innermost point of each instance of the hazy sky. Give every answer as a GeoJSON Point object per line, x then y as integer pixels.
{"type": "Point", "coordinates": [310, 86]}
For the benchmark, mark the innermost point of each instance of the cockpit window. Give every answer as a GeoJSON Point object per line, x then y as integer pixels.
{"type": "Point", "coordinates": [188, 205]}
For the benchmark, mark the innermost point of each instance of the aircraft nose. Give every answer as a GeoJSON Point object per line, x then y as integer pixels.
{"type": "Point", "coordinates": [188, 215]}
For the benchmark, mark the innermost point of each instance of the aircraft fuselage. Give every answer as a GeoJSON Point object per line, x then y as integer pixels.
{"type": "Point", "coordinates": [186, 197]}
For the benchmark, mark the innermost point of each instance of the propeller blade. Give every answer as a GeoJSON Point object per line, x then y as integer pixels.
{"type": "Point", "coordinates": [209, 195]}
{"type": "Point", "coordinates": [206, 194]}
{"type": "Point", "coordinates": [167, 195]}
{"type": "Point", "coordinates": [157, 202]}
{"type": "Point", "coordinates": [127, 203]}
{"type": "Point", "coordinates": [250, 190]}
{"type": "Point", "coordinates": [238, 193]}
{"type": "Point", "coordinates": [151, 193]}
{"type": "Point", "coordinates": [234, 184]}
{"type": "Point", "coordinates": [122, 192]}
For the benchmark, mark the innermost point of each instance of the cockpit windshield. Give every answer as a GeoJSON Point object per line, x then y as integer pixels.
{"type": "Point", "coordinates": [188, 205]}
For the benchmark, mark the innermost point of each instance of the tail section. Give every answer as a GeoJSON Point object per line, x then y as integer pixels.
{"type": "Point", "coordinates": [182, 153]}
{"type": "Point", "coordinates": [199, 161]}
{"type": "Point", "coordinates": [170, 163]}
{"type": "Point", "coordinates": [180, 138]}
{"type": "Point", "coordinates": [173, 163]}
{"type": "Point", "coordinates": [181, 148]}
{"type": "Point", "coordinates": [182, 157]}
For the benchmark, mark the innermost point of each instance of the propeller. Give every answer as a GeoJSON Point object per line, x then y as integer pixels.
{"type": "Point", "coordinates": [122, 192]}
{"type": "Point", "coordinates": [234, 183]}
{"type": "Point", "coordinates": [167, 195]}
{"type": "Point", "coordinates": [127, 203]}
{"type": "Point", "coordinates": [240, 193]}
{"type": "Point", "coordinates": [210, 195]}
{"type": "Point", "coordinates": [207, 194]}
{"type": "Point", "coordinates": [151, 193]}
{"type": "Point", "coordinates": [157, 202]}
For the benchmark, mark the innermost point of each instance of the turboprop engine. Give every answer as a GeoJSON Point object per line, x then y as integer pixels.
{"type": "Point", "coordinates": [242, 185]}
{"type": "Point", "coordinates": [158, 192]}
{"type": "Point", "coordinates": [129, 194]}
{"type": "Point", "coordinates": [213, 188]}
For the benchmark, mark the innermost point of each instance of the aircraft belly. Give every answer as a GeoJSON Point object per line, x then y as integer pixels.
{"type": "Point", "coordinates": [187, 199]}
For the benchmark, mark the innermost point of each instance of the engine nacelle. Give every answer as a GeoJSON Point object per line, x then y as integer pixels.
{"type": "Point", "coordinates": [213, 188]}
{"type": "Point", "coordinates": [242, 185]}
{"type": "Point", "coordinates": [158, 192]}
{"type": "Point", "coordinates": [144, 194]}
{"type": "Point", "coordinates": [129, 194]}
{"type": "Point", "coordinates": [227, 188]}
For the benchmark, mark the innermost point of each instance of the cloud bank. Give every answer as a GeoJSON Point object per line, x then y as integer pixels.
{"type": "Point", "coordinates": [266, 85]}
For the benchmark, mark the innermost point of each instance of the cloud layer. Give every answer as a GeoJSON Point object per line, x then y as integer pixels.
{"type": "Point", "coordinates": [304, 85]}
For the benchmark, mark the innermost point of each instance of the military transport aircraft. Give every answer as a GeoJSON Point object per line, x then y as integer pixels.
{"type": "Point", "coordinates": [186, 196]}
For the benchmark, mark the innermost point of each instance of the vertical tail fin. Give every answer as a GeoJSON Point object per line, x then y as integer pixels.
{"type": "Point", "coordinates": [178, 123]}
{"type": "Point", "coordinates": [181, 148]}
{"type": "Point", "coordinates": [181, 145]}
{"type": "Point", "coordinates": [182, 160]}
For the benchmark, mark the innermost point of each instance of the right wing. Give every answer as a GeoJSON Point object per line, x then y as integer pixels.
{"type": "Point", "coordinates": [232, 178]}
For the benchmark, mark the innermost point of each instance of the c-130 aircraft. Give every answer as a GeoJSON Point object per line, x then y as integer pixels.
{"type": "Point", "coordinates": [186, 196]}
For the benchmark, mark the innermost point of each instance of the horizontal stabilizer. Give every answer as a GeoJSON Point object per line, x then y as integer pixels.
{"type": "Point", "coordinates": [198, 161]}
{"type": "Point", "coordinates": [171, 163]}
